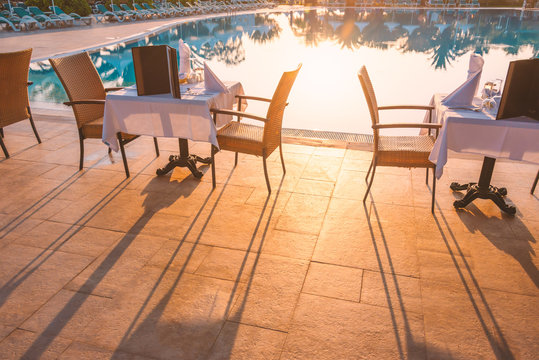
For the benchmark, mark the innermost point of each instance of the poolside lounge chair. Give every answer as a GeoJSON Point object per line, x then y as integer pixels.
{"type": "Point", "coordinates": [399, 151]}
{"type": "Point", "coordinates": [86, 95]}
{"type": "Point", "coordinates": [29, 20]}
{"type": "Point", "coordinates": [142, 14]}
{"type": "Point", "coordinates": [57, 21]}
{"type": "Point", "coordinates": [14, 105]}
{"type": "Point", "coordinates": [252, 139]}
{"type": "Point", "coordinates": [109, 15]}
{"type": "Point", "coordinates": [62, 15]}
{"type": "Point", "coordinates": [154, 12]}
{"type": "Point", "coordinates": [12, 22]}
{"type": "Point", "coordinates": [126, 14]}
{"type": "Point", "coordinates": [162, 12]}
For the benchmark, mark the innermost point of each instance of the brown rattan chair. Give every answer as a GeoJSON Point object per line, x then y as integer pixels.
{"type": "Point", "coordinates": [400, 151]}
{"type": "Point", "coordinates": [86, 95]}
{"type": "Point", "coordinates": [252, 139]}
{"type": "Point", "coordinates": [14, 105]}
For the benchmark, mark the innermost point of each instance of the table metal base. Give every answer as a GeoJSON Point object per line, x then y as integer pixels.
{"type": "Point", "coordinates": [483, 190]}
{"type": "Point", "coordinates": [185, 159]}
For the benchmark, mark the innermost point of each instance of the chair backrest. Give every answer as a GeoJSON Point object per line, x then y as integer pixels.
{"type": "Point", "coordinates": [81, 81]}
{"type": "Point", "coordinates": [35, 11]}
{"type": "Point", "coordinates": [115, 8]}
{"type": "Point", "coordinates": [14, 68]}
{"type": "Point", "coordinates": [272, 128]}
{"type": "Point", "coordinates": [368, 91]}
{"type": "Point", "coordinates": [101, 8]}
{"type": "Point", "coordinates": [126, 7]}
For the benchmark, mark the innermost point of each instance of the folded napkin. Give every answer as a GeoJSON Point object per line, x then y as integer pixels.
{"type": "Point", "coordinates": [212, 82]}
{"type": "Point", "coordinates": [464, 94]}
{"type": "Point", "coordinates": [185, 56]}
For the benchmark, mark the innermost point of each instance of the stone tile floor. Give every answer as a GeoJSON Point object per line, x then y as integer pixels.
{"type": "Point", "coordinates": [94, 265]}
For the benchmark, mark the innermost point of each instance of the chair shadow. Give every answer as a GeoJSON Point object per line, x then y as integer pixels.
{"type": "Point", "coordinates": [488, 322]}
{"type": "Point", "coordinates": [137, 334]}
{"type": "Point", "coordinates": [411, 346]}
{"type": "Point", "coordinates": [521, 251]}
{"type": "Point", "coordinates": [44, 340]}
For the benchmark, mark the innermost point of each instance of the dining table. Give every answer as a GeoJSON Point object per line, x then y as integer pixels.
{"type": "Point", "coordinates": [163, 116]}
{"type": "Point", "coordinates": [475, 130]}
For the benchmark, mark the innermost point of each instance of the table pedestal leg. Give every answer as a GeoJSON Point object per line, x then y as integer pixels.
{"type": "Point", "coordinates": [185, 159]}
{"type": "Point", "coordinates": [483, 189]}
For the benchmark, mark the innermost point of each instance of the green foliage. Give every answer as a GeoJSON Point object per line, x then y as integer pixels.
{"type": "Point", "coordinates": [80, 7]}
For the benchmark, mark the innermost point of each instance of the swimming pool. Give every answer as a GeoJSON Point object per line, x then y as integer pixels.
{"type": "Point", "coordinates": [410, 54]}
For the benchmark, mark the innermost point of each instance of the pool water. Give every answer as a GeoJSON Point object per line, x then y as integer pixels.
{"type": "Point", "coordinates": [409, 53]}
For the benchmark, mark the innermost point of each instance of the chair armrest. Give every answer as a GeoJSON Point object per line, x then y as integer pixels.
{"type": "Point", "coordinates": [407, 125]}
{"type": "Point", "coordinates": [238, 113]}
{"type": "Point", "coordinates": [29, 83]}
{"type": "Point", "coordinates": [253, 98]}
{"type": "Point", "coordinates": [413, 107]}
{"type": "Point", "coordinates": [113, 89]}
{"type": "Point", "coordinates": [85, 102]}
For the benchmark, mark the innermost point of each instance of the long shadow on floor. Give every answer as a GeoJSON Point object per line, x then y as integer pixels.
{"type": "Point", "coordinates": [44, 340]}
{"type": "Point", "coordinates": [518, 248]}
{"type": "Point", "coordinates": [489, 324]}
{"type": "Point", "coordinates": [195, 339]}
{"type": "Point", "coordinates": [411, 347]}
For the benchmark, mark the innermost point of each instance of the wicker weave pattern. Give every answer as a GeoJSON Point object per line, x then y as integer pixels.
{"type": "Point", "coordinates": [405, 151]}
{"type": "Point", "coordinates": [241, 137]}
{"type": "Point", "coordinates": [14, 104]}
{"type": "Point", "coordinates": [81, 82]}
{"type": "Point", "coordinates": [272, 129]}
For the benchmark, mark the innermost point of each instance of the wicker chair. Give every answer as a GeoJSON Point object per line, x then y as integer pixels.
{"type": "Point", "coordinates": [252, 139]}
{"type": "Point", "coordinates": [400, 151]}
{"type": "Point", "coordinates": [86, 94]}
{"type": "Point", "coordinates": [14, 105]}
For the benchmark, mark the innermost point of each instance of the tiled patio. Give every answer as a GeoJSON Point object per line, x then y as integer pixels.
{"type": "Point", "coordinates": [94, 265]}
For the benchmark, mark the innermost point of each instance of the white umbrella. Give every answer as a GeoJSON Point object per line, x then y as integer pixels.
{"type": "Point", "coordinates": [410, 28]}
{"type": "Point", "coordinates": [441, 27]}
{"type": "Point", "coordinates": [361, 25]}
{"type": "Point", "coordinates": [391, 25]}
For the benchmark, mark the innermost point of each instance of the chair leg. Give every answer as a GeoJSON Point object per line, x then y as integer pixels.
{"type": "Point", "coordinates": [156, 146]}
{"type": "Point", "coordinates": [124, 158]}
{"type": "Point", "coordinates": [266, 172]}
{"type": "Point", "coordinates": [110, 151]}
{"type": "Point", "coordinates": [372, 180]}
{"type": "Point", "coordinates": [81, 143]}
{"type": "Point", "coordinates": [282, 158]}
{"type": "Point", "coordinates": [213, 166]}
{"type": "Point", "coordinates": [535, 183]}
{"type": "Point", "coordinates": [1, 132]}
{"type": "Point", "coordinates": [6, 154]}
{"type": "Point", "coordinates": [33, 126]}
{"type": "Point", "coordinates": [433, 188]}
{"type": "Point", "coordinates": [235, 159]}
{"type": "Point", "coordinates": [369, 171]}
{"type": "Point", "coordinates": [427, 177]}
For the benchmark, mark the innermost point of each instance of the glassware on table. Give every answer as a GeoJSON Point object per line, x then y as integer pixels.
{"type": "Point", "coordinates": [491, 88]}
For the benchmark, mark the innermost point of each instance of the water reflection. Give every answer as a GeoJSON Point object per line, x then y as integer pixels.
{"type": "Point", "coordinates": [432, 45]}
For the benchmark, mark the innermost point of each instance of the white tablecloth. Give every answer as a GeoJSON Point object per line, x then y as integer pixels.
{"type": "Point", "coordinates": [472, 132]}
{"type": "Point", "coordinates": [164, 116]}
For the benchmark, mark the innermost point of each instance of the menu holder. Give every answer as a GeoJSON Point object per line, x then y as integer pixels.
{"type": "Point", "coordinates": [520, 94]}
{"type": "Point", "coordinates": [156, 70]}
